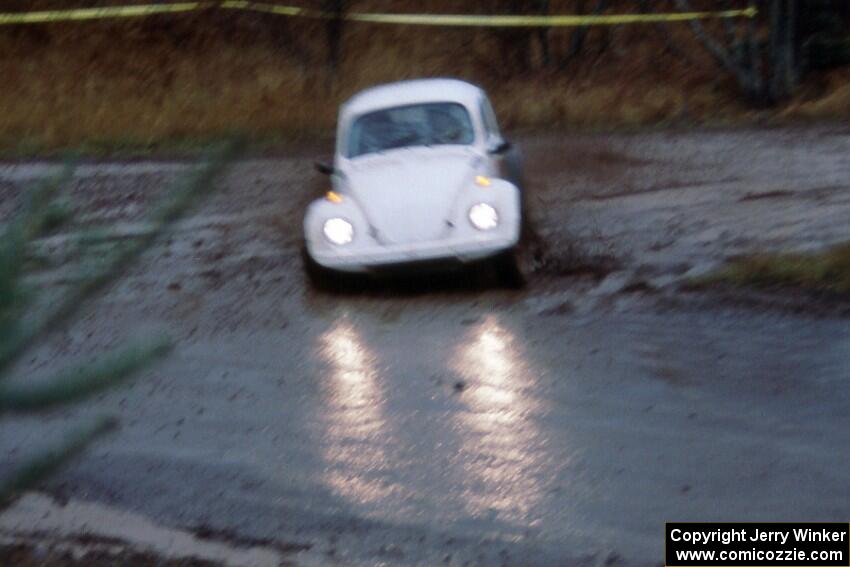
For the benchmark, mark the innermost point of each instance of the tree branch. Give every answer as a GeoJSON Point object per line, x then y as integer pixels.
{"type": "Point", "coordinates": [83, 381]}
{"type": "Point", "coordinates": [580, 34]}
{"type": "Point", "coordinates": [47, 463]}
{"type": "Point", "coordinates": [14, 243]}
{"type": "Point", "coordinates": [113, 266]}
{"type": "Point", "coordinates": [720, 54]}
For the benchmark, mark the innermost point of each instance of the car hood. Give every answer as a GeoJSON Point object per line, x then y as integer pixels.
{"type": "Point", "coordinates": [408, 194]}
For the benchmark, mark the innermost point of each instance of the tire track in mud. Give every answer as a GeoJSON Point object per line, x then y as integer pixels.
{"type": "Point", "coordinates": [599, 206]}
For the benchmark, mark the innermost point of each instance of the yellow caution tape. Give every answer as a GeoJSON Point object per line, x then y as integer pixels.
{"type": "Point", "coordinates": [292, 11]}
{"type": "Point", "coordinates": [45, 16]}
{"type": "Point", "coordinates": [373, 18]}
{"type": "Point", "coordinates": [545, 21]}
{"type": "Point", "coordinates": [493, 21]}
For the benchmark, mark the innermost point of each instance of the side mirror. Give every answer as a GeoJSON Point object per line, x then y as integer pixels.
{"type": "Point", "coordinates": [500, 147]}
{"type": "Point", "coordinates": [324, 168]}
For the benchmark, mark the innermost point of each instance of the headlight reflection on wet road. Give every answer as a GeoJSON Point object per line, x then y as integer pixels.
{"type": "Point", "coordinates": [502, 448]}
{"type": "Point", "coordinates": [499, 455]}
{"type": "Point", "coordinates": [356, 419]}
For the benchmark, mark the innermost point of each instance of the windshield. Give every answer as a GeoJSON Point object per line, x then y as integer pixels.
{"type": "Point", "coordinates": [416, 125]}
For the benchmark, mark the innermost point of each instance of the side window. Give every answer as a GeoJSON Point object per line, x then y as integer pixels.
{"type": "Point", "coordinates": [489, 118]}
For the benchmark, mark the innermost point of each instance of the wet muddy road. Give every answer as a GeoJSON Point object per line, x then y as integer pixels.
{"type": "Point", "coordinates": [560, 425]}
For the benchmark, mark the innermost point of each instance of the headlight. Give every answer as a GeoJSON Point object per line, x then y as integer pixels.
{"type": "Point", "coordinates": [483, 216]}
{"type": "Point", "coordinates": [338, 231]}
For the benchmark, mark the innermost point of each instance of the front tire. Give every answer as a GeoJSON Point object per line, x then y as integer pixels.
{"type": "Point", "coordinates": [322, 279]}
{"type": "Point", "coordinates": [509, 272]}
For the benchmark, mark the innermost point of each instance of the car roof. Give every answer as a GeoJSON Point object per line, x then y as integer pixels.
{"type": "Point", "coordinates": [413, 92]}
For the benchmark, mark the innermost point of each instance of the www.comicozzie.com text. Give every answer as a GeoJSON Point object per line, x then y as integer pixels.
{"type": "Point", "coordinates": [780, 536]}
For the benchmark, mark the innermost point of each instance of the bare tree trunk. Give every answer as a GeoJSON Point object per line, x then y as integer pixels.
{"type": "Point", "coordinates": [580, 34]}
{"type": "Point", "coordinates": [777, 53]}
{"type": "Point", "coordinates": [765, 77]}
{"type": "Point", "coordinates": [739, 68]}
{"type": "Point", "coordinates": [730, 26]}
{"type": "Point", "coordinates": [792, 74]}
{"type": "Point", "coordinates": [770, 73]}
{"type": "Point", "coordinates": [517, 44]}
{"type": "Point", "coordinates": [334, 30]}
{"type": "Point", "coordinates": [543, 33]}
{"type": "Point", "coordinates": [755, 57]}
{"type": "Point", "coordinates": [783, 53]}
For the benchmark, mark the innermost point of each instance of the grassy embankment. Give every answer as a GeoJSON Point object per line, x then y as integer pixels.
{"type": "Point", "coordinates": [171, 81]}
{"type": "Point", "coordinates": [828, 271]}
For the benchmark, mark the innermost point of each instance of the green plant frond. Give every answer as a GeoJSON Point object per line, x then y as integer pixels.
{"type": "Point", "coordinates": [36, 211]}
{"type": "Point", "coordinates": [44, 465]}
{"type": "Point", "coordinates": [100, 266]}
{"type": "Point", "coordinates": [70, 385]}
{"type": "Point", "coordinates": [200, 180]}
{"type": "Point", "coordinates": [37, 214]}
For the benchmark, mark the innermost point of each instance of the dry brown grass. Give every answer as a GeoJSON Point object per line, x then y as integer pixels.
{"type": "Point", "coordinates": [139, 82]}
{"type": "Point", "coordinates": [109, 85]}
{"type": "Point", "coordinates": [826, 98]}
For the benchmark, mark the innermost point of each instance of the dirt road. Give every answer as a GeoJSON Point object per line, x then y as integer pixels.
{"type": "Point", "coordinates": [561, 425]}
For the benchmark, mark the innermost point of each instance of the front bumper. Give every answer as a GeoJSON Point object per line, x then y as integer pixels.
{"type": "Point", "coordinates": [377, 257]}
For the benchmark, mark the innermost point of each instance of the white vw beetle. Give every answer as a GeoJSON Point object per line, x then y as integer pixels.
{"type": "Point", "coordinates": [421, 177]}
